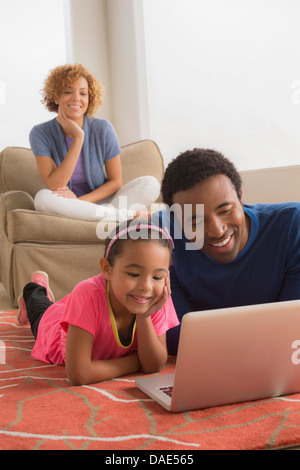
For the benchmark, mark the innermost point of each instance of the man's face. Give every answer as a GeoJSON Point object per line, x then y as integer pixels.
{"type": "Point", "coordinates": [226, 227]}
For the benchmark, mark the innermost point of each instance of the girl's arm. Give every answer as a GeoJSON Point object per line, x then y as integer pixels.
{"type": "Point", "coordinates": [80, 368]}
{"type": "Point", "coordinates": [152, 349]}
{"type": "Point", "coordinates": [112, 185]}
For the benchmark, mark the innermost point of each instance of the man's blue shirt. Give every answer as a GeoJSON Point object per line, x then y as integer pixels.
{"type": "Point", "coordinates": [266, 270]}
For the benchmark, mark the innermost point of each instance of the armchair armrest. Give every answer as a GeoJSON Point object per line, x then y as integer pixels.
{"type": "Point", "coordinates": [17, 200]}
{"type": "Point", "coordinates": [13, 200]}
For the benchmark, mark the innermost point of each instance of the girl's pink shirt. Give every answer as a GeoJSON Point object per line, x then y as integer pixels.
{"type": "Point", "coordinates": [88, 308]}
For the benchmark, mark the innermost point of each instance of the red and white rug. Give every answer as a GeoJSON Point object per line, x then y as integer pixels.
{"type": "Point", "coordinates": [39, 409]}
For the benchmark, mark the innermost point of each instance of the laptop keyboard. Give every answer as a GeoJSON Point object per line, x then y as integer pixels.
{"type": "Point", "coordinates": [167, 390]}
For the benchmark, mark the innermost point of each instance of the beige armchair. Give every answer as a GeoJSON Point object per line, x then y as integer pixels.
{"type": "Point", "coordinates": [67, 249]}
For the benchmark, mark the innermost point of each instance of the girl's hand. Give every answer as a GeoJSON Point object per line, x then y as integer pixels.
{"type": "Point", "coordinates": [70, 127]}
{"type": "Point", "coordinates": [65, 192]}
{"type": "Point", "coordinates": [152, 349]}
{"type": "Point", "coordinates": [161, 302]}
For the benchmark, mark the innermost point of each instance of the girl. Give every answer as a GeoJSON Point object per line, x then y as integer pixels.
{"type": "Point", "coordinates": [115, 323]}
{"type": "Point", "coordinates": [78, 155]}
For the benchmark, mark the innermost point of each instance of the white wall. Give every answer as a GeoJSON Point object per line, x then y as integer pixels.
{"type": "Point", "coordinates": [89, 45]}
{"type": "Point", "coordinates": [223, 74]}
{"type": "Point", "coordinates": [210, 73]}
{"type": "Point", "coordinates": [32, 38]}
{"type": "Point", "coordinates": [128, 69]}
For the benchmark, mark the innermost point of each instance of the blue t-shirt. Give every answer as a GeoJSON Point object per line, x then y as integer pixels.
{"type": "Point", "coordinates": [100, 145]}
{"type": "Point", "coordinates": [266, 270]}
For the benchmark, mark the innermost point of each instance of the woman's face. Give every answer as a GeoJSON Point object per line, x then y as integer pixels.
{"type": "Point", "coordinates": [74, 100]}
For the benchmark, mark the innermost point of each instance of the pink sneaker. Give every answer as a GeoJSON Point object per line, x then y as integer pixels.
{"type": "Point", "coordinates": [41, 278]}
{"type": "Point", "coordinates": [22, 312]}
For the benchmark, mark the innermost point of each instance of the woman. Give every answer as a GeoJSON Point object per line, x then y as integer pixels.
{"type": "Point", "coordinates": [78, 156]}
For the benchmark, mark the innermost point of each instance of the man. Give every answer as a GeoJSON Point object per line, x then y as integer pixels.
{"type": "Point", "coordinates": [250, 253]}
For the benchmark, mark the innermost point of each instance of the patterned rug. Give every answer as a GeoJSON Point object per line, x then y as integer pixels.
{"type": "Point", "coordinates": [41, 410]}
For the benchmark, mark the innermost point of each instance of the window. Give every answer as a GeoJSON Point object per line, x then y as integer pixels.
{"type": "Point", "coordinates": [33, 41]}
{"type": "Point", "coordinates": [225, 75]}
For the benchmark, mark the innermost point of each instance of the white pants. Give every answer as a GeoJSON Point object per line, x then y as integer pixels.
{"type": "Point", "coordinates": [133, 196]}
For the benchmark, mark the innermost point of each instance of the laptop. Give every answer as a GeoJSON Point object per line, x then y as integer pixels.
{"type": "Point", "coordinates": [232, 355]}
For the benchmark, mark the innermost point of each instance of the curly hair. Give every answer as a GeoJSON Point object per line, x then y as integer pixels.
{"type": "Point", "coordinates": [60, 78]}
{"type": "Point", "coordinates": [193, 167]}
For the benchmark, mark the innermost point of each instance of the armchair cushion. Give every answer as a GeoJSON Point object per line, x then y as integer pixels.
{"type": "Point", "coordinates": [34, 227]}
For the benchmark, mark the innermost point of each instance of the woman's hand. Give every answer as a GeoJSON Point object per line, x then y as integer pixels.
{"type": "Point", "coordinates": [65, 192]}
{"type": "Point", "coordinates": [70, 128]}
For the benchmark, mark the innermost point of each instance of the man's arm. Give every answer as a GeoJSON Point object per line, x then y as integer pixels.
{"type": "Point", "coordinates": [291, 285]}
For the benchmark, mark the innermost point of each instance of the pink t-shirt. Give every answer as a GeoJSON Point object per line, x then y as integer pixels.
{"type": "Point", "coordinates": [88, 308]}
